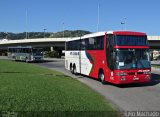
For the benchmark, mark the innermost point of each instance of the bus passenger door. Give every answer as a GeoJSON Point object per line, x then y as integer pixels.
{"type": "Point", "coordinates": [110, 55]}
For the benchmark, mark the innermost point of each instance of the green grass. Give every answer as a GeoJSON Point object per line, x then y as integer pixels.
{"type": "Point", "coordinates": [26, 87]}
{"type": "Point", "coordinates": [156, 66]}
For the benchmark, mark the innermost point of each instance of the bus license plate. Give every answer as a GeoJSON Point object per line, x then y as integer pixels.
{"type": "Point", "coordinates": [135, 78]}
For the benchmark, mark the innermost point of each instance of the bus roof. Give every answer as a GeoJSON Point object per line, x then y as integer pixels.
{"type": "Point", "coordinates": [108, 32]}
{"type": "Point", "coordinates": [94, 35]}
{"type": "Point", "coordinates": [129, 33]}
{"type": "Point", "coordinates": [88, 36]}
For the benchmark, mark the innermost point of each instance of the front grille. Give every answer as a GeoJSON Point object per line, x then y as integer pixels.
{"type": "Point", "coordinates": [131, 73]}
{"type": "Point", "coordinates": [140, 72]}
{"type": "Point", "coordinates": [134, 73]}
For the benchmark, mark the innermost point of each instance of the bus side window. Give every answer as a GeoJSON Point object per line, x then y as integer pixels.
{"type": "Point", "coordinates": [90, 43]}
{"type": "Point", "coordinates": [83, 44]}
{"type": "Point", "coordinates": [95, 43]}
{"type": "Point", "coordinates": [9, 50]}
{"type": "Point", "coordinates": [13, 50]}
{"type": "Point", "coordinates": [100, 43]}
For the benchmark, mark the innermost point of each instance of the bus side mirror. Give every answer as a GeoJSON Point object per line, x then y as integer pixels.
{"type": "Point", "coordinates": [151, 56]}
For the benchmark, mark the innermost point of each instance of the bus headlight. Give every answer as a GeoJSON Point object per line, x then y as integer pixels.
{"type": "Point", "coordinates": [147, 72]}
{"type": "Point", "coordinates": [121, 74]}
{"type": "Point", "coordinates": [148, 77]}
{"type": "Point", "coordinates": [123, 79]}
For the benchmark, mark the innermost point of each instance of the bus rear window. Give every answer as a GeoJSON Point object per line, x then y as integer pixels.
{"type": "Point", "coordinates": [128, 40]}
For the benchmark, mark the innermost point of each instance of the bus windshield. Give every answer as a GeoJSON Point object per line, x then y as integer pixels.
{"type": "Point", "coordinates": [132, 59]}
{"type": "Point", "coordinates": [37, 51]}
{"type": "Point", "coordinates": [130, 40]}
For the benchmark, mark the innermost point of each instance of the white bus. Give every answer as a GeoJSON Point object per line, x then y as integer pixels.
{"type": "Point", "coordinates": [25, 53]}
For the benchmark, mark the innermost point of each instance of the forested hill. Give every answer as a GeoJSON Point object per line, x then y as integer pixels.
{"type": "Point", "coordinates": [66, 33]}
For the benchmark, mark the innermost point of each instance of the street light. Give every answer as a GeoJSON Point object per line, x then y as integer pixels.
{"type": "Point", "coordinates": [98, 16]}
{"type": "Point", "coordinates": [44, 32]}
{"type": "Point", "coordinates": [27, 33]}
{"type": "Point", "coordinates": [63, 29]}
{"type": "Point", "coordinates": [26, 24]}
{"type": "Point", "coordinates": [6, 35]}
{"type": "Point", "coordinates": [123, 23]}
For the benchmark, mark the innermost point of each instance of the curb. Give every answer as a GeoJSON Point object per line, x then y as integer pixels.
{"type": "Point", "coordinates": [155, 69]}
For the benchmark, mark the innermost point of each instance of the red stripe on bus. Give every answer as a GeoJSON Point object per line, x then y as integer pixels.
{"type": "Point", "coordinates": [146, 47]}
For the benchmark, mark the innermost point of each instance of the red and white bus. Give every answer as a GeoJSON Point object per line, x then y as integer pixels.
{"type": "Point", "coordinates": [118, 57]}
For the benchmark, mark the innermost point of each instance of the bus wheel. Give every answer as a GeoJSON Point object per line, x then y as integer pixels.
{"type": "Point", "coordinates": [71, 68]}
{"type": "Point", "coordinates": [74, 70]}
{"type": "Point", "coordinates": [26, 60]}
{"type": "Point", "coordinates": [14, 58]}
{"type": "Point", "coordinates": [101, 76]}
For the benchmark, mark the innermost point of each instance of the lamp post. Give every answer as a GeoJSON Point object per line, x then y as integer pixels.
{"type": "Point", "coordinates": [63, 29]}
{"type": "Point", "coordinates": [6, 35]}
{"type": "Point", "coordinates": [27, 32]}
{"type": "Point", "coordinates": [123, 23]}
{"type": "Point", "coordinates": [44, 32]}
{"type": "Point", "coordinates": [26, 24]}
{"type": "Point", "coordinates": [98, 16]}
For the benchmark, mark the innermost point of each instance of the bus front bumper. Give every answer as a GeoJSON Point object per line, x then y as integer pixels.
{"type": "Point", "coordinates": [133, 79]}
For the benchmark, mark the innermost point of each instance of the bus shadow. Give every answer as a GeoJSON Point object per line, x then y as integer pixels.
{"type": "Point", "coordinates": [46, 61]}
{"type": "Point", "coordinates": [42, 61]}
{"type": "Point", "coordinates": [155, 79]}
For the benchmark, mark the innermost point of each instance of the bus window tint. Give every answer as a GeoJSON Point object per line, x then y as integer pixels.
{"type": "Point", "coordinates": [100, 43]}
{"type": "Point", "coordinates": [129, 40]}
{"type": "Point", "coordinates": [96, 43]}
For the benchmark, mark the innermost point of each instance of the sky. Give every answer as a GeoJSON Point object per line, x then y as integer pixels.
{"type": "Point", "coordinates": [57, 15]}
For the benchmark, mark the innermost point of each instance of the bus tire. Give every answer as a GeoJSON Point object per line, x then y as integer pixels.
{"type": "Point", "coordinates": [101, 76]}
{"type": "Point", "coordinates": [26, 60]}
{"type": "Point", "coordinates": [74, 69]}
{"type": "Point", "coordinates": [13, 58]}
{"type": "Point", "coordinates": [71, 68]}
